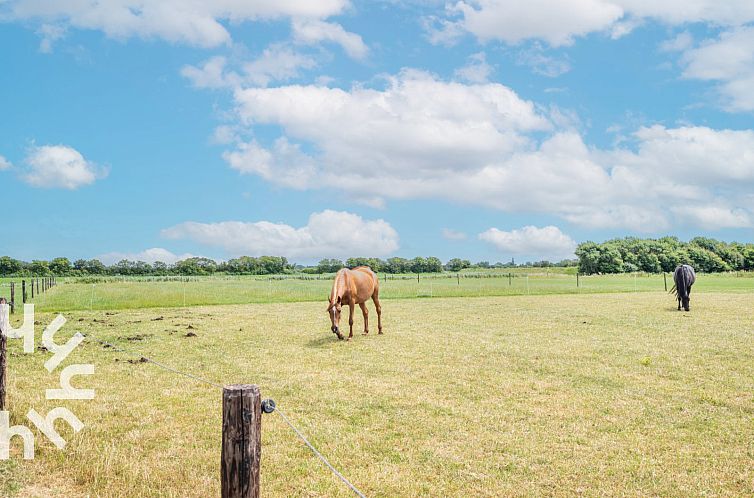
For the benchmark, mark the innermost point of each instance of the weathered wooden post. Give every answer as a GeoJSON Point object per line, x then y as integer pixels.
{"type": "Point", "coordinates": [510, 279]}
{"type": "Point", "coordinates": [458, 276]}
{"type": "Point", "coordinates": [577, 279]}
{"type": "Point", "coordinates": [3, 345]}
{"type": "Point", "coordinates": [665, 279]}
{"type": "Point", "coordinates": [37, 287]}
{"type": "Point", "coordinates": [242, 441]}
{"type": "Point", "coordinates": [12, 297]}
{"type": "Point", "coordinates": [417, 278]}
{"type": "Point", "coordinates": [23, 290]}
{"type": "Point", "coordinates": [32, 288]}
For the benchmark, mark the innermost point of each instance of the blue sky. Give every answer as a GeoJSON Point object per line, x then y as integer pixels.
{"type": "Point", "coordinates": [485, 130]}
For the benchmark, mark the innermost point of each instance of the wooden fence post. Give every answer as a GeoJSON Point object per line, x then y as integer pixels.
{"type": "Point", "coordinates": [3, 346]}
{"type": "Point", "coordinates": [13, 297]}
{"type": "Point", "coordinates": [510, 279]}
{"type": "Point", "coordinates": [458, 276]}
{"type": "Point", "coordinates": [32, 288]}
{"type": "Point", "coordinates": [23, 289]}
{"type": "Point", "coordinates": [665, 279]}
{"type": "Point", "coordinates": [242, 441]}
{"type": "Point", "coordinates": [577, 279]}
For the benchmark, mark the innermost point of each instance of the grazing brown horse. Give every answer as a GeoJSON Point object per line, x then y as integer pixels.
{"type": "Point", "coordinates": [353, 287]}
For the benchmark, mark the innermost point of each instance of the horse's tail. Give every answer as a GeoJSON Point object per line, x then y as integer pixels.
{"type": "Point", "coordinates": [682, 283]}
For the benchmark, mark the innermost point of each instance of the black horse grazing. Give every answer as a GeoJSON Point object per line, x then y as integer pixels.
{"type": "Point", "coordinates": [684, 277]}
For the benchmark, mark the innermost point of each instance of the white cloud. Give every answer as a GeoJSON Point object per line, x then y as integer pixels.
{"type": "Point", "coordinates": [682, 41]}
{"type": "Point", "coordinates": [542, 64]}
{"type": "Point", "coordinates": [555, 21]}
{"type": "Point", "coordinates": [481, 144]}
{"type": "Point", "coordinates": [4, 163]}
{"type": "Point", "coordinates": [728, 60]}
{"type": "Point", "coordinates": [476, 70]}
{"type": "Point", "coordinates": [50, 33]}
{"type": "Point", "coordinates": [311, 31]}
{"type": "Point", "coordinates": [558, 22]}
{"type": "Point", "coordinates": [327, 234]}
{"type": "Point", "coordinates": [278, 62]}
{"type": "Point", "coordinates": [148, 256]}
{"type": "Point", "coordinates": [59, 166]}
{"type": "Point", "coordinates": [191, 22]}
{"type": "Point", "coordinates": [713, 217]}
{"type": "Point", "coordinates": [450, 234]}
{"type": "Point", "coordinates": [546, 242]}
{"type": "Point", "coordinates": [211, 74]}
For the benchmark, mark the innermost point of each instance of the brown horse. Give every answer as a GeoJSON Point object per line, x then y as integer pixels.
{"type": "Point", "coordinates": [353, 287]}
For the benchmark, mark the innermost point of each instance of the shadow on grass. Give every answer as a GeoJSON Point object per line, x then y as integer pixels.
{"type": "Point", "coordinates": [322, 342]}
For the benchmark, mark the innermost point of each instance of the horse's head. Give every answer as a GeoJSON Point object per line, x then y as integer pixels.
{"type": "Point", "coordinates": [333, 309]}
{"type": "Point", "coordinates": [685, 301]}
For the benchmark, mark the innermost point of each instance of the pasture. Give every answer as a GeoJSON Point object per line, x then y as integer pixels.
{"type": "Point", "coordinates": [560, 392]}
{"type": "Point", "coordinates": [118, 293]}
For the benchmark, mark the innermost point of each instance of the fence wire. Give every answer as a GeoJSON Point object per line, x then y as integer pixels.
{"type": "Point", "coordinates": [221, 387]}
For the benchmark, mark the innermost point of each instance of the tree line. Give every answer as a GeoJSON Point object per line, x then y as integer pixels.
{"type": "Point", "coordinates": [632, 254]}
{"type": "Point", "coordinates": [628, 254]}
{"type": "Point", "coordinates": [244, 265]}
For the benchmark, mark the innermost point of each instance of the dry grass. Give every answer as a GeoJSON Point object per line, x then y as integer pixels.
{"type": "Point", "coordinates": [610, 394]}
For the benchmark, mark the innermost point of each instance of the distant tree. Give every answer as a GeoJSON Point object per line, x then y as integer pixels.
{"type": "Point", "coordinates": [60, 266]}
{"type": "Point", "coordinates": [418, 265]}
{"type": "Point", "coordinates": [160, 268]}
{"type": "Point", "coordinates": [397, 265]}
{"type": "Point", "coordinates": [457, 264]}
{"type": "Point", "coordinates": [433, 265]}
{"type": "Point", "coordinates": [10, 266]}
{"type": "Point", "coordinates": [95, 267]}
{"type": "Point", "coordinates": [39, 268]}
{"type": "Point", "coordinates": [329, 266]}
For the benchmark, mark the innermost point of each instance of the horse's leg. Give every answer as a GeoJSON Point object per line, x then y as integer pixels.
{"type": "Point", "coordinates": [376, 299]}
{"type": "Point", "coordinates": [350, 319]}
{"type": "Point", "coordinates": [365, 312]}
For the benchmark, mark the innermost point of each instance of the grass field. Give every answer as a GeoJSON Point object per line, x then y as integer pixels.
{"type": "Point", "coordinates": [613, 394]}
{"type": "Point", "coordinates": [140, 293]}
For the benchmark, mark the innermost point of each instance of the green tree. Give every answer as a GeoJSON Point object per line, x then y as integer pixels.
{"type": "Point", "coordinates": [60, 266]}
{"type": "Point", "coordinates": [10, 266]}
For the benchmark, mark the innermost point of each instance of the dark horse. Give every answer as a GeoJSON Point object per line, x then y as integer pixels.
{"type": "Point", "coordinates": [684, 277]}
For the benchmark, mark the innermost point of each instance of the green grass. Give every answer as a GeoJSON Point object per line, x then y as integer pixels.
{"type": "Point", "coordinates": [139, 293]}
{"type": "Point", "coordinates": [557, 395]}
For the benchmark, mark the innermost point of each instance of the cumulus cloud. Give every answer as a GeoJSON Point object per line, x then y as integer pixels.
{"type": "Point", "coordinates": [194, 23]}
{"type": "Point", "coordinates": [327, 234]}
{"type": "Point", "coordinates": [477, 70]}
{"type": "Point", "coordinates": [148, 256]}
{"type": "Point", "coordinates": [481, 144]}
{"type": "Point", "coordinates": [4, 163]}
{"type": "Point", "coordinates": [559, 22]}
{"type": "Point", "coordinates": [727, 60]}
{"type": "Point", "coordinates": [555, 21]}
{"type": "Point", "coordinates": [450, 234]}
{"type": "Point", "coordinates": [311, 31]}
{"type": "Point", "coordinates": [277, 63]}
{"type": "Point", "coordinates": [546, 242]}
{"type": "Point", "coordinates": [59, 166]}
